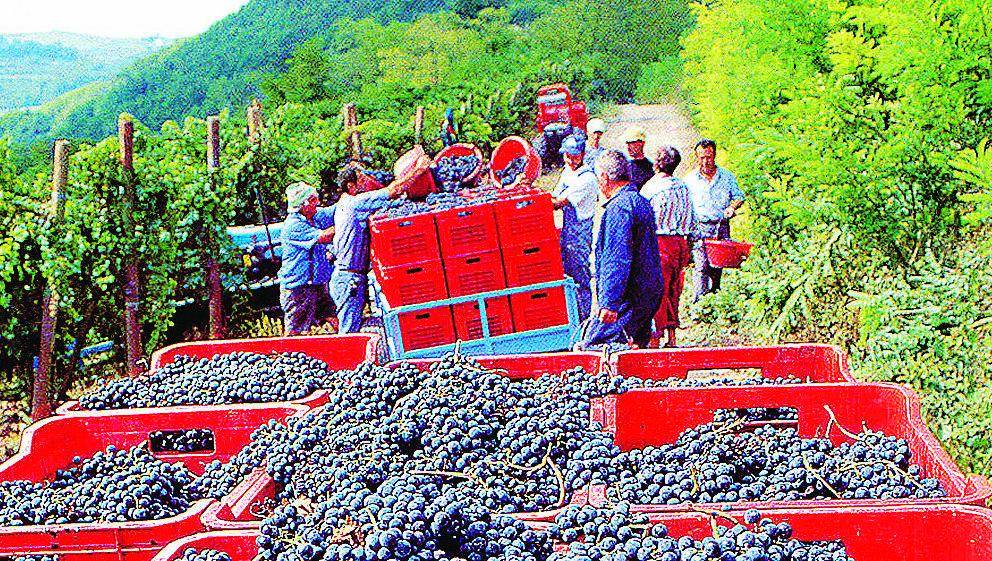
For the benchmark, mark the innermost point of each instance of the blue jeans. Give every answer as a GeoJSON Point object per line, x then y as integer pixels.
{"type": "Point", "coordinates": [576, 247]}
{"type": "Point", "coordinates": [348, 290]}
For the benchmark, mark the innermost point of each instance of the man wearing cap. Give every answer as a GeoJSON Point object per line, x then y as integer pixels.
{"type": "Point", "coordinates": [716, 196]}
{"type": "Point", "coordinates": [306, 233]}
{"type": "Point", "coordinates": [641, 168]}
{"type": "Point", "coordinates": [576, 195]}
{"type": "Point", "coordinates": [349, 281]}
{"type": "Point", "coordinates": [595, 129]}
{"type": "Point", "coordinates": [628, 269]}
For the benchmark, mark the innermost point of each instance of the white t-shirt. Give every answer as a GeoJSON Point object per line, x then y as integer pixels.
{"type": "Point", "coordinates": [581, 189]}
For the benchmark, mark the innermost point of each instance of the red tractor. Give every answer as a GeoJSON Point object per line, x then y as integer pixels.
{"type": "Point", "coordinates": [558, 116]}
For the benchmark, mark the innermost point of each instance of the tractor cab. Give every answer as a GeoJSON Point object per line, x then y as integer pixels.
{"type": "Point", "coordinates": [558, 116]}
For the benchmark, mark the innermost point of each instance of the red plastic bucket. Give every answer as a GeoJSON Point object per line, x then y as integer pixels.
{"type": "Point", "coordinates": [510, 148]}
{"type": "Point", "coordinates": [459, 150]}
{"type": "Point", "coordinates": [726, 254]}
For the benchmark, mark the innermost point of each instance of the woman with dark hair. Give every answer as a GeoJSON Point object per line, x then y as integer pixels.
{"type": "Point", "coordinates": [676, 222]}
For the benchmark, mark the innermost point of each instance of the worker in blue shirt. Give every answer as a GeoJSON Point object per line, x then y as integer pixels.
{"type": "Point", "coordinates": [576, 195]}
{"type": "Point", "coordinates": [628, 269]}
{"type": "Point", "coordinates": [349, 280]}
{"type": "Point", "coordinates": [716, 196]}
{"type": "Point", "coordinates": [305, 270]}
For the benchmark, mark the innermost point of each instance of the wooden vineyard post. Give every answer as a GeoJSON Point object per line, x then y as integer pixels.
{"type": "Point", "coordinates": [351, 122]}
{"type": "Point", "coordinates": [41, 399]}
{"type": "Point", "coordinates": [215, 290]}
{"type": "Point", "coordinates": [418, 125]}
{"type": "Point", "coordinates": [255, 123]}
{"type": "Point", "coordinates": [132, 281]}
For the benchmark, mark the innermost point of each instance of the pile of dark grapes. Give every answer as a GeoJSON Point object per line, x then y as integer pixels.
{"type": "Point", "coordinates": [588, 533]}
{"type": "Point", "coordinates": [716, 463]}
{"type": "Point", "coordinates": [450, 172]}
{"type": "Point", "coordinates": [191, 554]}
{"type": "Point", "coordinates": [383, 177]}
{"type": "Point", "coordinates": [112, 486]}
{"type": "Point", "coordinates": [238, 377]}
{"type": "Point", "coordinates": [436, 202]}
{"type": "Point", "coordinates": [186, 441]}
{"type": "Point", "coordinates": [508, 175]}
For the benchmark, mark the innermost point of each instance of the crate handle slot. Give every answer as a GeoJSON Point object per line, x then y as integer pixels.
{"type": "Point", "coordinates": [531, 250]}
{"type": "Point", "coordinates": [161, 441]}
{"type": "Point", "coordinates": [415, 270]}
{"type": "Point", "coordinates": [466, 213]}
{"type": "Point", "coordinates": [404, 223]}
{"type": "Point", "coordinates": [539, 295]}
{"type": "Point", "coordinates": [424, 315]}
{"type": "Point", "coordinates": [472, 260]}
{"type": "Point", "coordinates": [524, 204]}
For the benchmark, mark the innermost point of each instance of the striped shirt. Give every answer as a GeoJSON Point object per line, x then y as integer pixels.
{"type": "Point", "coordinates": [672, 204]}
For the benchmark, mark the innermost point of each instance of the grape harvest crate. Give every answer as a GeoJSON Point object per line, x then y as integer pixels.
{"type": "Point", "coordinates": [51, 444]}
{"type": "Point", "coordinates": [553, 338]}
{"type": "Point", "coordinates": [238, 544]}
{"type": "Point", "coordinates": [657, 416]}
{"type": "Point", "coordinates": [339, 352]}
{"type": "Point", "coordinates": [909, 533]}
{"type": "Point", "coordinates": [808, 362]}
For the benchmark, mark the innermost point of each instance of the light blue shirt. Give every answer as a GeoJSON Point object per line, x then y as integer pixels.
{"type": "Point", "coordinates": [351, 228]}
{"type": "Point", "coordinates": [711, 199]}
{"type": "Point", "coordinates": [304, 261]}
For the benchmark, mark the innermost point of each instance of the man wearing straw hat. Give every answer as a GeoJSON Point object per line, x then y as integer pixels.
{"type": "Point", "coordinates": [641, 168]}
{"type": "Point", "coordinates": [305, 271]}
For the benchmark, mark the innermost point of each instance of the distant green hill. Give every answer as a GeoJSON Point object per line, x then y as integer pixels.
{"type": "Point", "coordinates": [201, 75]}
{"type": "Point", "coordinates": [35, 68]}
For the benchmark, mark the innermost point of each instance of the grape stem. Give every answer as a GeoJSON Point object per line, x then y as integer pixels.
{"type": "Point", "coordinates": [819, 477]}
{"type": "Point", "coordinates": [834, 422]}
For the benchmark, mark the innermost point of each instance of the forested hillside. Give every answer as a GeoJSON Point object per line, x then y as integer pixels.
{"type": "Point", "coordinates": [35, 68]}
{"type": "Point", "coordinates": [214, 70]}
{"type": "Point", "coordinates": [861, 131]}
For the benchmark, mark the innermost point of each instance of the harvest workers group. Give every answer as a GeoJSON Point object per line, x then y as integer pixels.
{"type": "Point", "coordinates": [639, 278]}
{"type": "Point", "coordinates": [310, 230]}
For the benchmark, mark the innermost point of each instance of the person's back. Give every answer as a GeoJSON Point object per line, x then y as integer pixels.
{"type": "Point", "coordinates": [645, 266]}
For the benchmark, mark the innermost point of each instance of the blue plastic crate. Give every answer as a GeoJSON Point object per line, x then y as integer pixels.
{"type": "Point", "coordinates": [557, 338]}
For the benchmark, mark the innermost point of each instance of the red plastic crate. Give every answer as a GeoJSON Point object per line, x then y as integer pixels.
{"type": "Point", "coordinates": [525, 220]}
{"type": "Point", "coordinates": [473, 274]}
{"type": "Point", "coordinates": [533, 263]}
{"type": "Point", "coordinates": [427, 328]}
{"type": "Point", "coordinates": [467, 230]}
{"type": "Point", "coordinates": [404, 240]}
{"type": "Point", "coordinates": [50, 444]}
{"type": "Point", "coordinates": [652, 417]}
{"type": "Point", "coordinates": [816, 363]}
{"type": "Point", "coordinates": [238, 544]}
{"type": "Point", "coordinates": [539, 309]}
{"type": "Point", "coordinates": [468, 321]}
{"type": "Point", "coordinates": [519, 367]}
{"type": "Point", "coordinates": [924, 533]}
{"type": "Point", "coordinates": [339, 352]}
{"type": "Point", "coordinates": [413, 284]}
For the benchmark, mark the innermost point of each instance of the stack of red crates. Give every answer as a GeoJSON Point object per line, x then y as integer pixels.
{"type": "Point", "coordinates": [407, 262]}
{"type": "Point", "coordinates": [474, 263]}
{"type": "Point", "coordinates": [531, 255]}
{"type": "Point", "coordinates": [468, 250]}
